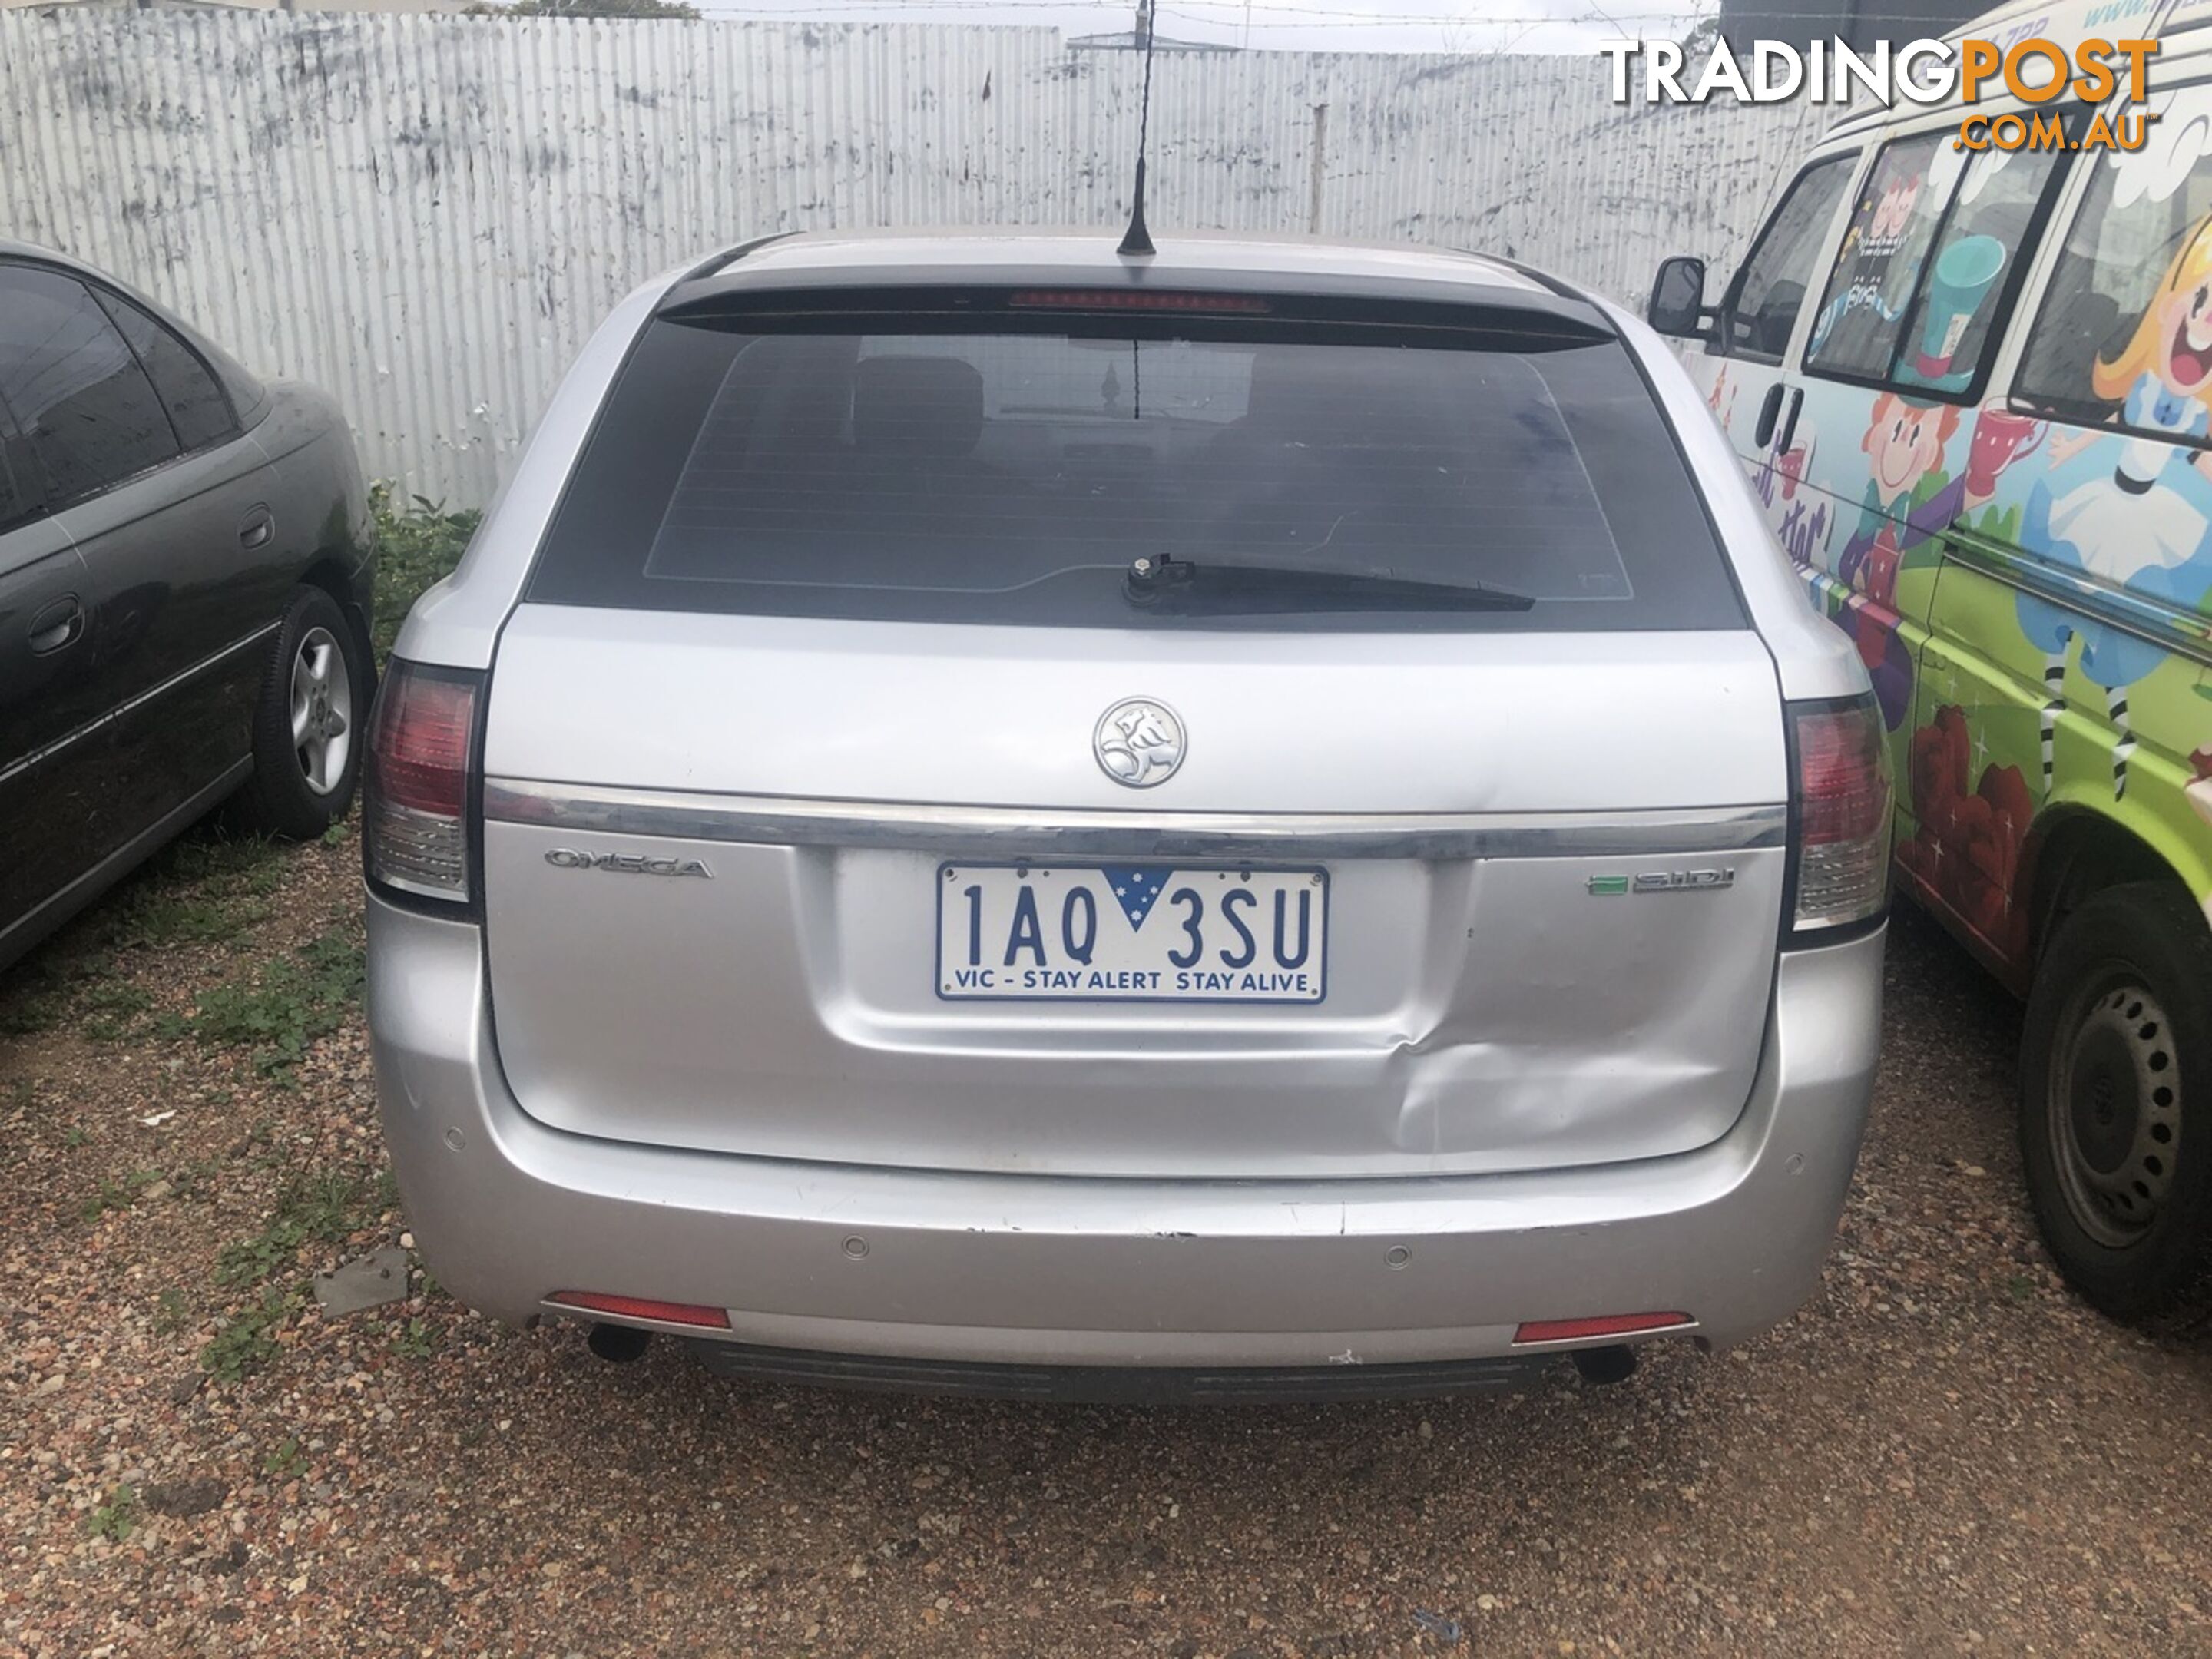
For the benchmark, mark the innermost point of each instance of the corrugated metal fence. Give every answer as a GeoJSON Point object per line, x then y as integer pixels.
{"type": "Point", "coordinates": [428, 215]}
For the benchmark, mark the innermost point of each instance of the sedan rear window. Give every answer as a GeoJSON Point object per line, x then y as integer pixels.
{"type": "Point", "coordinates": [1004, 470]}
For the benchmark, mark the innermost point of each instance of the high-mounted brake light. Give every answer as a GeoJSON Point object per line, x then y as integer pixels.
{"type": "Point", "coordinates": [1840, 801]}
{"type": "Point", "coordinates": [1134, 299]}
{"type": "Point", "coordinates": [415, 824]}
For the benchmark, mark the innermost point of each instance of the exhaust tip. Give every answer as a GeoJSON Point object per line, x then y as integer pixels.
{"type": "Point", "coordinates": [1599, 1367]}
{"type": "Point", "coordinates": [618, 1345]}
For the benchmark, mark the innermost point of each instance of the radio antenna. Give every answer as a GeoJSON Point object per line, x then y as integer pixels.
{"type": "Point", "coordinates": [1137, 239]}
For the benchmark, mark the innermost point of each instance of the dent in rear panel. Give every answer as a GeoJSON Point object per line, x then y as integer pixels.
{"type": "Point", "coordinates": [1483, 1016]}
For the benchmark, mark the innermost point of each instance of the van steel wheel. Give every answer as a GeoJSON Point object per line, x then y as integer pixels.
{"type": "Point", "coordinates": [2115, 1126]}
{"type": "Point", "coordinates": [310, 723]}
{"type": "Point", "coordinates": [2115, 1151]}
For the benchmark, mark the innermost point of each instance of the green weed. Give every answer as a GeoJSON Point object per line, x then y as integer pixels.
{"type": "Point", "coordinates": [213, 857]}
{"type": "Point", "coordinates": [35, 995]}
{"type": "Point", "coordinates": [418, 543]}
{"type": "Point", "coordinates": [112, 1008]}
{"type": "Point", "coordinates": [175, 1313]}
{"type": "Point", "coordinates": [207, 889]}
{"type": "Point", "coordinates": [244, 1343]}
{"type": "Point", "coordinates": [318, 1209]}
{"type": "Point", "coordinates": [194, 919]}
{"type": "Point", "coordinates": [285, 1457]}
{"type": "Point", "coordinates": [29, 1011]}
{"type": "Point", "coordinates": [281, 1008]}
{"type": "Point", "coordinates": [114, 1519]}
{"type": "Point", "coordinates": [117, 1194]}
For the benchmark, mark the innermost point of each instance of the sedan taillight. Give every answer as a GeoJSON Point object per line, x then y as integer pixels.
{"type": "Point", "coordinates": [415, 824]}
{"type": "Point", "coordinates": [1840, 802]}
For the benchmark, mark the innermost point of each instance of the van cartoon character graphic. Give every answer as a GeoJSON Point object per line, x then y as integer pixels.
{"type": "Point", "coordinates": [2137, 525]}
{"type": "Point", "coordinates": [1722, 398]}
{"type": "Point", "coordinates": [1908, 497]}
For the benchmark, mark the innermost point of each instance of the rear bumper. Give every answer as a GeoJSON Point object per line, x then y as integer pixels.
{"type": "Point", "coordinates": [1047, 1271]}
{"type": "Point", "coordinates": [1129, 1385]}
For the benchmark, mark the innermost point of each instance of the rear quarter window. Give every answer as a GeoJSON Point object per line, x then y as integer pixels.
{"type": "Point", "coordinates": [91, 415]}
{"type": "Point", "coordinates": [16, 500]}
{"type": "Point", "coordinates": [1011, 469]}
{"type": "Point", "coordinates": [189, 391]}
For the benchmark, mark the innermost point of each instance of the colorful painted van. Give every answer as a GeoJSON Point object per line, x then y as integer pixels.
{"type": "Point", "coordinates": [1974, 389]}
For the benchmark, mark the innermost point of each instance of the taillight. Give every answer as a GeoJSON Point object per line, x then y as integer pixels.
{"type": "Point", "coordinates": [1840, 803]}
{"type": "Point", "coordinates": [415, 824]}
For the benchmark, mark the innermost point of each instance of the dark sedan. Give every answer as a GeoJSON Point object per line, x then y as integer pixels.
{"type": "Point", "coordinates": [187, 565]}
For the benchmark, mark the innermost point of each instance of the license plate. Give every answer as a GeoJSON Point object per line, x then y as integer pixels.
{"type": "Point", "coordinates": [1141, 932]}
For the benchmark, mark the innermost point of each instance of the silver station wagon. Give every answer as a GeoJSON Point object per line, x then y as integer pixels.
{"type": "Point", "coordinates": [1267, 820]}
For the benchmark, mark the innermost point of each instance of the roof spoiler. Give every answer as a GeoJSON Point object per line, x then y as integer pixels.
{"type": "Point", "coordinates": [730, 256]}
{"type": "Point", "coordinates": [1033, 299]}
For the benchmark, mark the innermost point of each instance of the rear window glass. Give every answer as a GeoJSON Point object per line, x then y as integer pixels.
{"type": "Point", "coordinates": [1290, 478]}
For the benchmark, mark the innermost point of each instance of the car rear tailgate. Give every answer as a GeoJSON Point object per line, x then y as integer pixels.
{"type": "Point", "coordinates": [714, 846]}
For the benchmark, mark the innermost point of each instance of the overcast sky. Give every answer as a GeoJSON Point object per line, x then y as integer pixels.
{"type": "Point", "coordinates": [1470, 26]}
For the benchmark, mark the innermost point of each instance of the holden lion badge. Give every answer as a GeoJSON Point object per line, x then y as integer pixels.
{"type": "Point", "coordinates": [1138, 742]}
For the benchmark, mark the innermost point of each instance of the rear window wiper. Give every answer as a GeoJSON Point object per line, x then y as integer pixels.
{"type": "Point", "coordinates": [1156, 582]}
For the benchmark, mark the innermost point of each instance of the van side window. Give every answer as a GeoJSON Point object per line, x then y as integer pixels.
{"type": "Point", "coordinates": [2125, 333]}
{"type": "Point", "coordinates": [1870, 290]}
{"type": "Point", "coordinates": [1933, 253]}
{"type": "Point", "coordinates": [1982, 251]}
{"type": "Point", "coordinates": [1757, 316]}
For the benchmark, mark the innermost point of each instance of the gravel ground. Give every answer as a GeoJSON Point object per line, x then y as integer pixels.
{"type": "Point", "coordinates": [1944, 1452]}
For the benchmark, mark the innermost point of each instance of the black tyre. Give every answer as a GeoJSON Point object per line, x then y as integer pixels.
{"type": "Point", "coordinates": [2116, 1103]}
{"type": "Point", "coordinates": [310, 725]}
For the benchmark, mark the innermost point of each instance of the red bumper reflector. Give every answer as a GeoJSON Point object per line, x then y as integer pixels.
{"type": "Point", "coordinates": [637, 1307]}
{"type": "Point", "coordinates": [1570, 1330]}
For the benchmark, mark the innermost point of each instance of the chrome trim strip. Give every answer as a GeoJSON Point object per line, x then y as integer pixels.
{"type": "Point", "coordinates": [121, 709]}
{"type": "Point", "coordinates": [980, 831]}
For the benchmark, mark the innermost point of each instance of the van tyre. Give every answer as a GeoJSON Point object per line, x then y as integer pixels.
{"type": "Point", "coordinates": [2116, 1103]}
{"type": "Point", "coordinates": [310, 727]}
